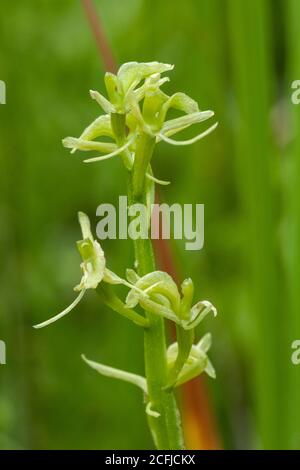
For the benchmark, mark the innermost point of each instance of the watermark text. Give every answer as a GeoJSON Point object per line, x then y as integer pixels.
{"type": "Point", "coordinates": [2, 352]}
{"type": "Point", "coordinates": [295, 357]}
{"type": "Point", "coordinates": [138, 221]}
{"type": "Point", "coordinates": [2, 92]}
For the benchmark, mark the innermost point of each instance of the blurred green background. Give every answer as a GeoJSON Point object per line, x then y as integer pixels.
{"type": "Point", "coordinates": [237, 57]}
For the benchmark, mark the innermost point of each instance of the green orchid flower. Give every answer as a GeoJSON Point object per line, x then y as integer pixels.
{"type": "Point", "coordinates": [95, 272]}
{"type": "Point", "coordinates": [196, 363]}
{"type": "Point", "coordinates": [163, 298]}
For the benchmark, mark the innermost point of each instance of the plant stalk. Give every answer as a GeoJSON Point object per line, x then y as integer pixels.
{"type": "Point", "coordinates": [166, 429]}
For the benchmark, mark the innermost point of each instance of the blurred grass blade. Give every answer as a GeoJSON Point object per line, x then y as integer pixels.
{"type": "Point", "coordinates": [292, 243]}
{"type": "Point", "coordinates": [250, 33]}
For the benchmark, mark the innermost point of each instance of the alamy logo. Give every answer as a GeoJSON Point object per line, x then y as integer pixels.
{"type": "Point", "coordinates": [157, 221]}
{"type": "Point", "coordinates": [295, 357]}
{"type": "Point", "coordinates": [2, 92]}
{"type": "Point", "coordinates": [2, 352]}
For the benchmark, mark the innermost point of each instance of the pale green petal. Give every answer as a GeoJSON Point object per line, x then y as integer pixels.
{"type": "Point", "coordinates": [111, 278]}
{"type": "Point", "coordinates": [135, 379]}
{"type": "Point", "coordinates": [153, 102]}
{"type": "Point", "coordinates": [114, 90]}
{"type": "Point", "coordinates": [157, 181]}
{"type": "Point", "coordinates": [112, 154]}
{"type": "Point", "coordinates": [63, 313]}
{"type": "Point", "coordinates": [151, 412]}
{"type": "Point", "coordinates": [151, 84]}
{"type": "Point", "coordinates": [187, 289]}
{"type": "Point", "coordinates": [93, 265]}
{"type": "Point", "coordinates": [189, 141]}
{"type": "Point", "coordinates": [132, 276]}
{"type": "Point", "coordinates": [131, 73]}
{"type": "Point", "coordinates": [185, 121]}
{"type": "Point", "coordinates": [205, 343]}
{"type": "Point", "coordinates": [85, 225]}
{"type": "Point", "coordinates": [87, 145]}
{"type": "Point", "coordinates": [198, 313]}
{"type": "Point", "coordinates": [181, 102]}
{"type": "Point", "coordinates": [157, 309]}
{"type": "Point", "coordinates": [132, 299]}
{"type": "Point", "coordinates": [101, 126]}
{"type": "Point", "coordinates": [196, 363]}
{"type": "Point", "coordinates": [102, 101]}
{"type": "Point", "coordinates": [194, 366]}
{"type": "Point", "coordinates": [210, 370]}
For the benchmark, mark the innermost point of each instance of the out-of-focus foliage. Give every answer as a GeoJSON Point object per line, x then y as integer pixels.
{"type": "Point", "coordinates": [235, 57]}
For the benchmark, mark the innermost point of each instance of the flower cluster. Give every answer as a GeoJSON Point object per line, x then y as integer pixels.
{"type": "Point", "coordinates": [136, 103]}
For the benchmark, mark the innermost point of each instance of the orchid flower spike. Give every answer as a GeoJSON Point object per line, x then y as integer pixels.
{"type": "Point", "coordinates": [93, 267]}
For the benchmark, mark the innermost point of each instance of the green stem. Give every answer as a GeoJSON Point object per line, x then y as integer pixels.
{"type": "Point", "coordinates": [112, 300]}
{"type": "Point", "coordinates": [185, 339]}
{"type": "Point", "coordinates": [166, 429]}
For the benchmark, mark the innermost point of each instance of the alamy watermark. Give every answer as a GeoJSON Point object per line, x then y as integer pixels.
{"type": "Point", "coordinates": [181, 222]}
{"type": "Point", "coordinates": [2, 352]}
{"type": "Point", "coordinates": [295, 357]}
{"type": "Point", "coordinates": [2, 92]}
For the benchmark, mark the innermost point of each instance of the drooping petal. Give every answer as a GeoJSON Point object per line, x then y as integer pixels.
{"type": "Point", "coordinates": [107, 371]}
{"type": "Point", "coordinates": [156, 180]}
{"type": "Point", "coordinates": [112, 154]}
{"type": "Point", "coordinates": [63, 313]}
{"type": "Point", "coordinates": [198, 313]}
{"type": "Point", "coordinates": [189, 141]}
{"type": "Point", "coordinates": [151, 412]}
